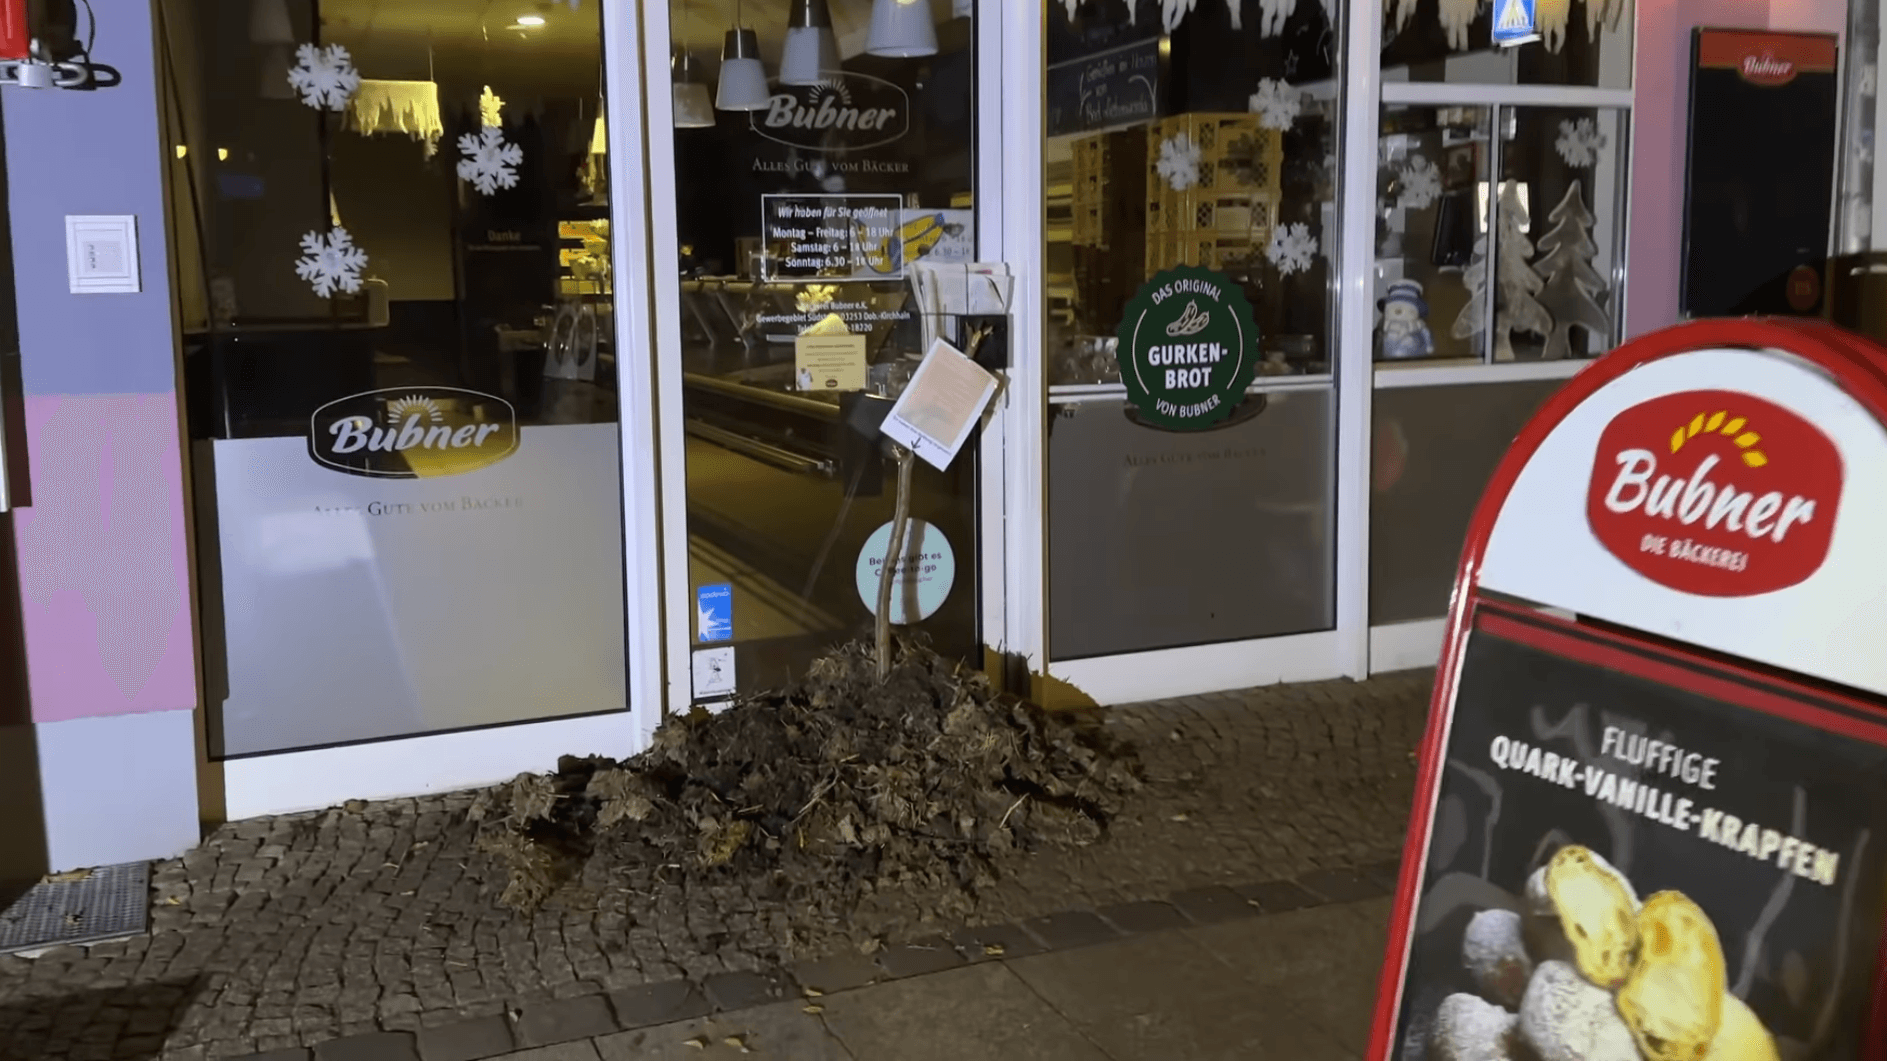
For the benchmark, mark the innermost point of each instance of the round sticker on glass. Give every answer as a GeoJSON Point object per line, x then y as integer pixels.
{"type": "Point", "coordinates": [924, 577]}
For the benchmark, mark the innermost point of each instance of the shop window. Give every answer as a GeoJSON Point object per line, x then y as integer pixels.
{"type": "Point", "coordinates": [1529, 268]}
{"type": "Point", "coordinates": [1583, 43]}
{"type": "Point", "coordinates": [391, 226]}
{"type": "Point", "coordinates": [1189, 137]}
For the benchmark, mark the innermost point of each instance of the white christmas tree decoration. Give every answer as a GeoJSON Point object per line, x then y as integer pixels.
{"type": "Point", "coordinates": [1565, 263]}
{"type": "Point", "coordinates": [330, 262]}
{"type": "Point", "coordinates": [490, 163]}
{"type": "Point", "coordinates": [1419, 182]}
{"type": "Point", "coordinates": [1292, 248]}
{"type": "Point", "coordinates": [1579, 142]}
{"type": "Point", "coordinates": [1276, 103]}
{"type": "Point", "coordinates": [1516, 310]}
{"type": "Point", "coordinates": [1179, 162]}
{"type": "Point", "coordinates": [325, 77]}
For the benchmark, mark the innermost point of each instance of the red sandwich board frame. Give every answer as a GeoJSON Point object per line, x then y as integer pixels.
{"type": "Point", "coordinates": [1673, 672]}
{"type": "Point", "coordinates": [15, 36]}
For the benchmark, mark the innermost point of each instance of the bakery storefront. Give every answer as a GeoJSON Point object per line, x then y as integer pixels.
{"type": "Point", "coordinates": [536, 354]}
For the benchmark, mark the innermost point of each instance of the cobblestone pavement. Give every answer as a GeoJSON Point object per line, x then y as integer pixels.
{"type": "Point", "coordinates": [290, 931]}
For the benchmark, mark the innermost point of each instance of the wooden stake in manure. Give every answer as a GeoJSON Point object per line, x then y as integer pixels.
{"type": "Point", "coordinates": [900, 518]}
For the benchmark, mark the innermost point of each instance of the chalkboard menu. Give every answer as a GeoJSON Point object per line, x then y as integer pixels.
{"type": "Point", "coordinates": [1758, 195]}
{"type": "Point", "coordinates": [1121, 86]}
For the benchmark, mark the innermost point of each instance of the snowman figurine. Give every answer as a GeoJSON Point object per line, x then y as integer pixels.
{"type": "Point", "coordinates": [1405, 331]}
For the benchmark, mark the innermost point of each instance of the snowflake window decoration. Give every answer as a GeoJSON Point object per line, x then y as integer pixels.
{"type": "Point", "coordinates": [1276, 103]}
{"type": "Point", "coordinates": [325, 77]}
{"type": "Point", "coordinates": [1420, 183]}
{"type": "Point", "coordinates": [331, 262]}
{"type": "Point", "coordinates": [1179, 162]}
{"type": "Point", "coordinates": [1292, 248]}
{"type": "Point", "coordinates": [1579, 142]}
{"type": "Point", "coordinates": [490, 162]}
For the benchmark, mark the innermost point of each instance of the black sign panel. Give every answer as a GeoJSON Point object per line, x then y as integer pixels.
{"type": "Point", "coordinates": [1117, 87]}
{"type": "Point", "coordinates": [1759, 804]}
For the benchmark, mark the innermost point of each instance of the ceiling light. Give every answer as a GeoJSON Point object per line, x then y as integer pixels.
{"type": "Point", "coordinates": [743, 85]}
{"type": "Point", "coordinates": [810, 50]}
{"type": "Point", "coordinates": [530, 20]}
{"type": "Point", "coordinates": [901, 29]}
{"type": "Point", "coordinates": [693, 108]}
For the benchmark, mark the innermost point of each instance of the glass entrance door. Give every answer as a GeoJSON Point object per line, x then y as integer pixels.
{"type": "Point", "coordinates": [818, 155]}
{"type": "Point", "coordinates": [392, 223]}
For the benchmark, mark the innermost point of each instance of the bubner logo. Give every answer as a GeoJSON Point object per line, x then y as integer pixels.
{"type": "Point", "coordinates": [1766, 69]}
{"type": "Point", "coordinates": [848, 112]}
{"type": "Point", "coordinates": [413, 432]}
{"type": "Point", "coordinates": [1715, 493]}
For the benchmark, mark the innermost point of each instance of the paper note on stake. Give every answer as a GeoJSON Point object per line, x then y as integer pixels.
{"type": "Point", "coordinates": [941, 405]}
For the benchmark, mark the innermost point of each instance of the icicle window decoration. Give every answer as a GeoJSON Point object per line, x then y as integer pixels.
{"type": "Point", "coordinates": [410, 108]}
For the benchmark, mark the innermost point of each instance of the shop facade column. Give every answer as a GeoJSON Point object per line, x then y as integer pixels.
{"type": "Point", "coordinates": [98, 553]}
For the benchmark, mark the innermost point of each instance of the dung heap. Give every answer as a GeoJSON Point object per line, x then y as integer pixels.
{"type": "Point", "coordinates": [821, 795]}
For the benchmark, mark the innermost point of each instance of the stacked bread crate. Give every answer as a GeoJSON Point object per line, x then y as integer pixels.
{"type": "Point", "coordinates": [1108, 196]}
{"type": "Point", "coordinates": [1225, 219]}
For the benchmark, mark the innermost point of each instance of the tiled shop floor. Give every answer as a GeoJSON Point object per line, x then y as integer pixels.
{"type": "Point", "coordinates": [377, 927]}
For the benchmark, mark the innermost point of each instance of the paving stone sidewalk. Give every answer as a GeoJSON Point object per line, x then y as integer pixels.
{"type": "Point", "coordinates": [287, 932]}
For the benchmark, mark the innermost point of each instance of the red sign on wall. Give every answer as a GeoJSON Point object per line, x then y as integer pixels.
{"type": "Point", "coordinates": [1716, 493]}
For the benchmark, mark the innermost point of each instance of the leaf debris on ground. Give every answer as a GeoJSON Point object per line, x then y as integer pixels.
{"type": "Point", "coordinates": [819, 796]}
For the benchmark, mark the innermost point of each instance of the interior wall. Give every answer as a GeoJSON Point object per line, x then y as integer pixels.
{"type": "Point", "coordinates": [1660, 119]}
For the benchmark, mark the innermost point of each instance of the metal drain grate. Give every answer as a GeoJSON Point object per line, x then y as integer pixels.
{"type": "Point", "coordinates": [111, 902]}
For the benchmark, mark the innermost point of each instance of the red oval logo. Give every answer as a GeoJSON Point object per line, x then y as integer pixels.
{"type": "Point", "coordinates": [1716, 493]}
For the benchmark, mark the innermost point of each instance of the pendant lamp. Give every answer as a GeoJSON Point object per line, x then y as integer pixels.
{"type": "Point", "coordinates": [693, 108]}
{"type": "Point", "coordinates": [811, 51]}
{"type": "Point", "coordinates": [901, 29]}
{"type": "Point", "coordinates": [743, 85]}
{"type": "Point", "coordinates": [274, 77]}
{"type": "Point", "coordinates": [269, 23]}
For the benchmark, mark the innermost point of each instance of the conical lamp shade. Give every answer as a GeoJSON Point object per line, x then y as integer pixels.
{"type": "Point", "coordinates": [275, 67]}
{"type": "Point", "coordinates": [743, 85]}
{"type": "Point", "coordinates": [269, 23]}
{"type": "Point", "coordinates": [901, 29]}
{"type": "Point", "coordinates": [693, 108]}
{"type": "Point", "coordinates": [810, 55]}
{"type": "Point", "coordinates": [599, 138]}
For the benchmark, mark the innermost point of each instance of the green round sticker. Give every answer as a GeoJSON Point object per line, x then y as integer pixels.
{"type": "Point", "coordinates": [1188, 348]}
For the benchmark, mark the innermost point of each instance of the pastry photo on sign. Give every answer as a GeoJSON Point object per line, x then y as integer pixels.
{"type": "Point", "coordinates": [1620, 870]}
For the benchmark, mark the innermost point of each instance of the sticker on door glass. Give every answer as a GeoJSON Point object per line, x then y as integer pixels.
{"type": "Point", "coordinates": [923, 579]}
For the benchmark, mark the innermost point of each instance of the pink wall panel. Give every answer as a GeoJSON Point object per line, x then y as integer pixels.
{"type": "Point", "coordinates": [104, 579]}
{"type": "Point", "coordinates": [1660, 118]}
